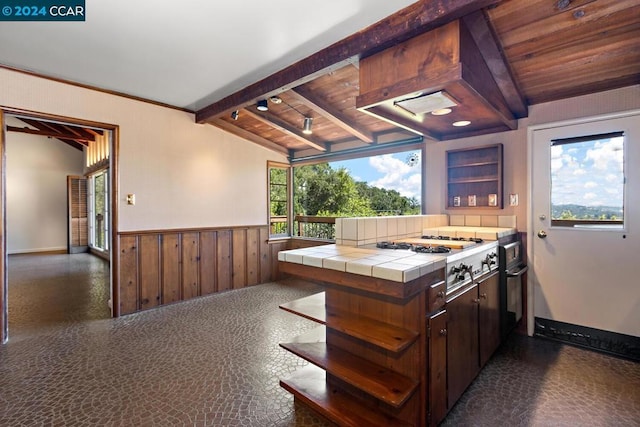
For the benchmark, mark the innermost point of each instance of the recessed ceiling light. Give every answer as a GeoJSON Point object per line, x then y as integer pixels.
{"type": "Point", "coordinates": [441, 112]}
{"type": "Point", "coordinates": [262, 105]}
{"type": "Point", "coordinates": [462, 123]}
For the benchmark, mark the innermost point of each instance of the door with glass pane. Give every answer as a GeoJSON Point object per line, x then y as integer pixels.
{"type": "Point", "coordinates": [99, 215]}
{"type": "Point", "coordinates": [585, 207]}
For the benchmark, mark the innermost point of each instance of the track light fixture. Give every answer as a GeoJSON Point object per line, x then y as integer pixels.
{"type": "Point", "coordinates": [235, 115]}
{"type": "Point", "coordinates": [306, 129]}
{"type": "Point", "coordinates": [262, 105]}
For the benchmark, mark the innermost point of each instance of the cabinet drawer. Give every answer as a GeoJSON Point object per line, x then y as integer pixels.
{"type": "Point", "coordinates": [436, 296]}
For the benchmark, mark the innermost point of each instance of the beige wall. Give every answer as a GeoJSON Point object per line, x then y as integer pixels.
{"type": "Point", "coordinates": [183, 174]}
{"type": "Point", "coordinates": [515, 149]}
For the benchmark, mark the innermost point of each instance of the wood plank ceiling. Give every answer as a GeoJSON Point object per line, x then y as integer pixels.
{"type": "Point", "coordinates": [75, 136]}
{"type": "Point", "coordinates": [531, 51]}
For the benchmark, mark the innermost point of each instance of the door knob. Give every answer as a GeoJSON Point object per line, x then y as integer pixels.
{"type": "Point", "coordinates": [542, 234]}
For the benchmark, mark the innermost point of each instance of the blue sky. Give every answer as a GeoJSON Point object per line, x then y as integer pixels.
{"type": "Point", "coordinates": [389, 171]}
{"type": "Point", "coordinates": [588, 173]}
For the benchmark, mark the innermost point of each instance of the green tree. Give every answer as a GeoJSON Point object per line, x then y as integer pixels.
{"type": "Point", "coordinates": [322, 190]}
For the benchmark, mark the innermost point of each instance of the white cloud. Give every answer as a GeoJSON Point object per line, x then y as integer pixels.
{"type": "Point", "coordinates": [590, 184]}
{"type": "Point", "coordinates": [397, 175]}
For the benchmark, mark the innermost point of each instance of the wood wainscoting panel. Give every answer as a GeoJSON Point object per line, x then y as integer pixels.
{"type": "Point", "coordinates": [224, 260]}
{"type": "Point", "coordinates": [252, 275]}
{"type": "Point", "coordinates": [166, 266]}
{"type": "Point", "coordinates": [239, 259]}
{"type": "Point", "coordinates": [265, 255]}
{"type": "Point", "coordinates": [128, 270]}
{"type": "Point", "coordinates": [149, 266]}
{"type": "Point", "coordinates": [190, 258]}
{"type": "Point", "coordinates": [208, 262]}
{"type": "Point", "coordinates": [171, 268]}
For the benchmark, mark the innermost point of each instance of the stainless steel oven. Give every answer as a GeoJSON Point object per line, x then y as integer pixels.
{"type": "Point", "coordinates": [512, 269]}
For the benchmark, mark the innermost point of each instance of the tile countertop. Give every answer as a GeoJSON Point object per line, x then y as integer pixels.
{"type": "Point", "coordinates": [395, 265]}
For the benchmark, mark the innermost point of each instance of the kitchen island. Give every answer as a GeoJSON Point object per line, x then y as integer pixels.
{"type": "Point", "coordinates": [379, 355]}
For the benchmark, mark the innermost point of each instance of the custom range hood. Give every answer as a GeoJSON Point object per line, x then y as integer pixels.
{"type": "Point", "coordinates": [441, 84]}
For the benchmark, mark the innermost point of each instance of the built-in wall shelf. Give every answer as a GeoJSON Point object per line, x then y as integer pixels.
{"type": "Point", "coordinates": [474, 177]}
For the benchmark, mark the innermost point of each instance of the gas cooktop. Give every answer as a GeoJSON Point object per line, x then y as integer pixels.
{"type": "Point", "coordinates": [457, 239]}
{"type": "Point", "coordinates": [428, 249]}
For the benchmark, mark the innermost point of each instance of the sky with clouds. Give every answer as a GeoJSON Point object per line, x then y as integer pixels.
{"type": "Point", "coordinates": [389, 171]}
{"type": "Point", "coordinates": [588, 173]}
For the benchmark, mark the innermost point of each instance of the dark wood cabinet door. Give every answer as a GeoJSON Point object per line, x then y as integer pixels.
{"type": "Point", "coordinates": [462, 343]}
{"type": "Point", "coordinates": [489, 292]}
{"type": "Point", "coordinates": [437, 368]}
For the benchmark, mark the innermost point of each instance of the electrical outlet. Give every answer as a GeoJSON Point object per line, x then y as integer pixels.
{"type": "Point", "coordinates": [513, 200]}
{"type": "Point", "coordinates": [131, 199]}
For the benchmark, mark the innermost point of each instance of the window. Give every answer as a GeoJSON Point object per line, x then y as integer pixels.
{"type": "Point", "coordinates": [587, 181]}
{"type": "Point", "coordinates": [279, 193]}
{"type": "Point", "coordinates": [388, 184]}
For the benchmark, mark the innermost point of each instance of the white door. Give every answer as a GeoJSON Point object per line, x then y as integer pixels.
{"type": "Point", "coordinates": [588, 274]}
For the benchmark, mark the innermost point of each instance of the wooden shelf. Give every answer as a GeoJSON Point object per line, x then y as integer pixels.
{"type": "Point", "coordinates": [374, 332]}
{"type": "Point", "coordinates": [472, 165]}
{"type": "Point", "coordinates": [382, 383]}
{"type": "Point", "coordinates": [475, 172]}
{"type": "Point", "coordinates": [472, 180]}
{"type": "Point", "coordinates": [383, 335]}
{"type": "Point", "coordinates": [310, 386]}
{"type": "Point", "coordinates": [311, 307]}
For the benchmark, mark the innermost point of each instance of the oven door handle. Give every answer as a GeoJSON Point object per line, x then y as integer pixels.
{"type": "Point", "coordinates": [519, 272]}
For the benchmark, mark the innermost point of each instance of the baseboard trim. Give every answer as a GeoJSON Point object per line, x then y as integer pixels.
{"type": "Point", "coordinates": [52, 251]}
{"type": "Point", "coordinates": [613, 343]}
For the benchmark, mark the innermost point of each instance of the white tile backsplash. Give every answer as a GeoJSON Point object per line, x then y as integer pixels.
{"type": "Point", "coordinates": [456, 220]}
{"type": "Point", "coordinates": [507, 221]}
{"type": "Point", "coordinates": [392, 226]}
{"type": "Point", "coordinates": [349, 229]}
{"type": "Point", "coordinates": [402, 226]}
{"type": "Point", "coordinates": [472, 220]}
{"type": "Point", "coordinates": [370, 229]}
{"type": "Point", "coordinates": [489, 221]}
{"type": "Point", "coordinates": [382, 231]}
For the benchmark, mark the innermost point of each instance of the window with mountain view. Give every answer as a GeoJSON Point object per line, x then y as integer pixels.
{"type": "Point", "coordinates": [587, 181]}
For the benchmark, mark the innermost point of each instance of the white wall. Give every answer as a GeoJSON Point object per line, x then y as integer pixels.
{"type": "Point", "coordinates": [37, 169]}
{"type": "Point", "coordinates": [515, 149]}
{"type": "Point", "coordinates": [184, 175]}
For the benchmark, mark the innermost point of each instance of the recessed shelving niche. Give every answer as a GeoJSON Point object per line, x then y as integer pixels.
{"type": "Point", "coordinates": [474, 177]}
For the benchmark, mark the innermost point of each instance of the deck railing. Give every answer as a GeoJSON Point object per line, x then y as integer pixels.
{"type": "Point", "coordinates": [309, 226]}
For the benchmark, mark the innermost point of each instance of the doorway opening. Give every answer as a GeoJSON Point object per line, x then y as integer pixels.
{"type": "Point", "coordinates": [57, 264]}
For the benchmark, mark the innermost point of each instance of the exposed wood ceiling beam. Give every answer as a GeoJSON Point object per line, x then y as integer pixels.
{"type": "Point", "coordinates": [328, 112]}
{"type": "Point", "coordinates": [284, 127]}
{"type": "Point", "coordinates": [50, 134]}
{"type": "Point", "coordinates": [403, 25]}
{"type": "Point", "coordinates": [483, 35]}
{"type": "Point", "coordinates": [238, 131]}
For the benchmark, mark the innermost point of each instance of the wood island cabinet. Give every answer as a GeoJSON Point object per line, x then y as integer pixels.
{"type": "Point", "coordinates": [462, 343]}
{"type": "Point", "coordinates": [473, 333]}
{"type": "Point", "coordinates": [378, 357]}
{"type": "Point", "coordinates": [489, 317]}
